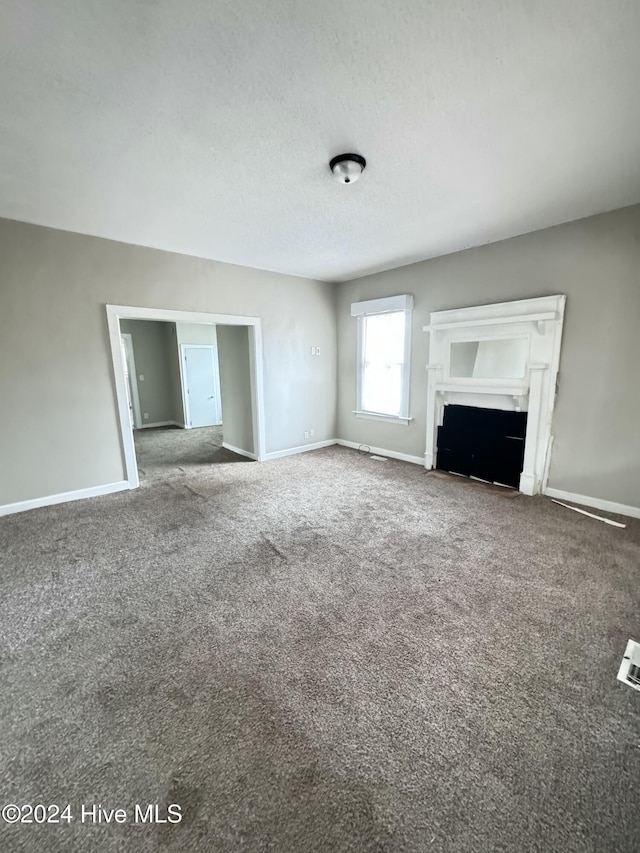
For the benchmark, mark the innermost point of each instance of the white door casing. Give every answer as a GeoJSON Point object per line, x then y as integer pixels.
{"type": "Point", "coordinates": [538, 322]}
{"type": "Point", "coordinates": [128, 382]}
{"type": "Point", "coordinates": [200, 384]}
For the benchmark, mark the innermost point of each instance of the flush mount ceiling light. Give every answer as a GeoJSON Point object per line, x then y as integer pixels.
{"type": "Point", "coordinates": [347, 168]}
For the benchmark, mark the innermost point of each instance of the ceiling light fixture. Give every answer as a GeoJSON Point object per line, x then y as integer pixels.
{"type": "Point", "coordinates": [347, 168]}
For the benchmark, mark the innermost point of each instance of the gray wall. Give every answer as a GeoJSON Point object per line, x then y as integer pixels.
{"type": "Point", "coordinates": [235, 386]}
{"type": "Point", "coordinates": [154, 354]}
{"type": "Point", "coordinates": [175, 380]}
{"type": "Point", "coordinates": [596, 263]}
{"type": "Point", "coordinates": [58, 430]}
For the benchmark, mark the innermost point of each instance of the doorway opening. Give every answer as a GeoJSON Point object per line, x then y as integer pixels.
{"type": "Point", "coordinates": [188, 387]}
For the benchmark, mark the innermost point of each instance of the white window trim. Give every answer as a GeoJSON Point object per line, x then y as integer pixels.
{"type": "Point", "coordinates": [387, 305]}
{"type": "Point", "coordinates": [382, 306]}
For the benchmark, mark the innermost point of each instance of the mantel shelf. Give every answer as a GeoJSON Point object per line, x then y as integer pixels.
{"type": "Point", "coordinates": [492, 321]}
{"type": "Point", "coordinates": [505, 390]}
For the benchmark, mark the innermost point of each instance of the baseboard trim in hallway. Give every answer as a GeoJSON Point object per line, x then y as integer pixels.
{"type": "Point", "coordinates": [162, 424]}
{"type": "Point", "coordinates": [64, 497]}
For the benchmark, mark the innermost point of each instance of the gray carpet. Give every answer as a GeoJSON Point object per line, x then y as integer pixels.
{"type": "Point", "coordinates": [163, 452]}
{"type": "Point", "coordinates": [319, 653]}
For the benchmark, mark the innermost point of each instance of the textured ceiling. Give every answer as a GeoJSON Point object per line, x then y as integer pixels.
{"type": "Point", "coordinates": [205, 126]}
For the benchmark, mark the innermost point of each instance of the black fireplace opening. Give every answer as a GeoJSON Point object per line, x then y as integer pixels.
{"type": "Point", "coordinates": [484, 443]}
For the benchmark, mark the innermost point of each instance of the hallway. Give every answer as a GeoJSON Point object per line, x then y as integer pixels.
{"type": "Point", "coordinates": [168, 451]}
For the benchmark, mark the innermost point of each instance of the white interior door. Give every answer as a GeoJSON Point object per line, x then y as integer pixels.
{"type": "Point", "coordinates": [202, 386]}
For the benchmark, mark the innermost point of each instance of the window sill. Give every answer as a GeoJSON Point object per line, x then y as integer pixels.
{"type": "Point", "coordinates": [374, 416]}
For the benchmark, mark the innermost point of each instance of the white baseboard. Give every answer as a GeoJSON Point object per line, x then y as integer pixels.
{"type": "Point", "coordinates": [188, 426]}
{"type": "Point", "coordinates": [78, 494]}
{"type": "Point", "coordinates": [379, 451]}
{"type": "Point", "coordinates": [303, 448]}
{"type": "Point", "coordinates": [238, 450]}
{"type": "Point", "coordinates": [596, 503]}
{"type": "Point", "coordinates": [161, 424]}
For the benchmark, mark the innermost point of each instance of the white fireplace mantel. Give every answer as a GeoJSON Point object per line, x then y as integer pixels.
{"type": "Point", "coordinates": [537, 324]}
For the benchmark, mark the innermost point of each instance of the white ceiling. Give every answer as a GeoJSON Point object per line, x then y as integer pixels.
{"type": "Point", "coordinates": [206, 126]}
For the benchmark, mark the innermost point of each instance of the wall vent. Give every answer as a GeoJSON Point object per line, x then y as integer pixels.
{"type": "Point", "coordinates": [629, 671]}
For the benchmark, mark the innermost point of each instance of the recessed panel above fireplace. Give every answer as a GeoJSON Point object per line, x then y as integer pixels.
{"type": "Point", "coordinates": [491, 358]}
{"type": "Point", "coordinates": [483, 443]}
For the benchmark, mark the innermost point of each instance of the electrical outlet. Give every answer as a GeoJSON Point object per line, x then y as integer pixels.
{"type": "Point", "coordinates": [317, 350]}
{"type": "Point", "coordinates": [306, 433]}
{"type": "Point", "coordinates": [313, 350]}
{"type": "Point", "coordinates": [146, 416]}
{"type": "Point", "coordinates": [141, 377]}
{"type": "Point", "coordinates": [312, 432]}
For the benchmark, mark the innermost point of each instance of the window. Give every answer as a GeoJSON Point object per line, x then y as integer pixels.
{"type": "Point", "coordinates": [384, 342]}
